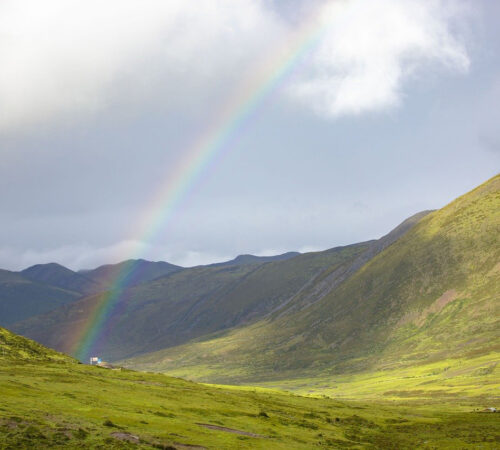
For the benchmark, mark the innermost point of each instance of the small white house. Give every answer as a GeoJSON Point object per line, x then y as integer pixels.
{"type": "Point", "coordinates": [94, 360]}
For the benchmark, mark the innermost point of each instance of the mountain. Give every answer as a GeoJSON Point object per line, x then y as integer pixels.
{"type": "Point", "coordinates": [252, 259]}
{"type": "Point", "coordinates": [140, 271]}
{"type": "Point", "coordinates": [50, 401]}
{"type": "Point", "coordinates": [431, 296]}
{"type": "Point", "coordinates": [44, 287]}
{"type": "Point", "coordinates": [100, 279]}
{"type": "Point", "coordinates": [60, 276]}
{"type": "Point", "coordinates": [187, 304]}
{"type": "Point", "coordinates": [21, 298]}
{"type": "Point", "coordinates": [194, 302]}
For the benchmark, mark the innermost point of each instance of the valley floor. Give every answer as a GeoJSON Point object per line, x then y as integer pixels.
{"type": "Point", "coordinates": [67, 405]}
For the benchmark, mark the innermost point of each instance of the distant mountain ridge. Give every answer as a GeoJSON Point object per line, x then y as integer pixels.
{"type": "Point", "coordinates": [252, 259]}
{"type": "Point", "coordinates": [193, 302]}
{"type": "Point", "coordinates": [41, 288]}
{"type": "Point", "coordinates": [139, 271]}
{"type": "Point", "coordinates": [21, 298]}
{"type": "Point", "coordinates": [60, 276]}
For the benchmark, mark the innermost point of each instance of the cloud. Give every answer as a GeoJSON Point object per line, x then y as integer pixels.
{"type": "Point", "coordinates": [85, 256]}
{"type": "Point", "coordinates": [61, 57]}
{"type": "Point", "coordinates": [63, 60]}
{"type": "Point", "coordinates": [78, 256]}
{"type": "Point", "coordinates": [369, 49]}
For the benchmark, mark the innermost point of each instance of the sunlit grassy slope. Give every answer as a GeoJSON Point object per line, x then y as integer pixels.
{"type": "Point", "coordinates": [49, 401]}
{"type": "Point", "coordinates": [15, 348]}
{"type": "Point", "coordinates": [431, 297]}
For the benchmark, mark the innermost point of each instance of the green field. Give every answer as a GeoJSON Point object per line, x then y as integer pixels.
{"type": "Point", "coordinates": [48, 400]}
{"type": "Point", "coordinates": [71, 405]}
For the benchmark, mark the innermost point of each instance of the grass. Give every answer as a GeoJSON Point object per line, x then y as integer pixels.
{"type": "Point", "coordinates": [50, 401]}
{"type": "Point", "coordinates": [475, 380]}
{"type": "Point", "coordinates": [48, 404]}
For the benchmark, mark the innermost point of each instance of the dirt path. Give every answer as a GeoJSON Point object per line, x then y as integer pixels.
{"type": "Point", "coordinates": [230, 430]}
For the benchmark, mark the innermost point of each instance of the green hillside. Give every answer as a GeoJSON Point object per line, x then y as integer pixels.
{"type": "Point", "coordinates": [430, 297]}
{"type": "Point", "coordinates": [21, 298]}
{"type": "Point", "coordinates": [49, 401]}
{"type": "Point", "coordinates": [17, 349]}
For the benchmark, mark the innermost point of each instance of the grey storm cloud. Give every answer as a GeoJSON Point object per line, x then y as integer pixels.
{"type": "Point", "coordinates": [100, 100]}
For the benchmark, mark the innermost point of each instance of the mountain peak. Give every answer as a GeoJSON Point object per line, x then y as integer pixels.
{"type": "Point", "coordinates": [253, 259]}
{"type": "Point", "coordinates": [39, 268]}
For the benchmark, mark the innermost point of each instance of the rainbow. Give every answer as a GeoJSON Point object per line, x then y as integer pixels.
{"type": "Point", "coordinates": [225, 127]}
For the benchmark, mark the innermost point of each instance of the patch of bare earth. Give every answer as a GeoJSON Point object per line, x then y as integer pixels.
{"type": "Point", "coordinates": [230, 430]}
{"type": "Point", "coordinates": [418, 318]}
{"type": "Point", "coordinates": [126, 437]}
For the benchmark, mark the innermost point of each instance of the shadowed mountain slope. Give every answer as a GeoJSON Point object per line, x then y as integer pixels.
{"type": "Point", "coordinates": [140, 271]}
{"type": "Point", "coordinates": [431, 295]}
{"type": "Point", "coordinates": [60, 276]}
{"type": "Point", "coordinates": [194, 302]}
{"type": "Point", "coordinates": [45, 287]}
{"type": "Point", "coordinates": [187, 304]}
{"type": "Point", "coordinates": [21, 298]}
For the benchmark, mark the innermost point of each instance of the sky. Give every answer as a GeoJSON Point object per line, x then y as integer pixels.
{"type": "Point", "coordinates": [381, 109]}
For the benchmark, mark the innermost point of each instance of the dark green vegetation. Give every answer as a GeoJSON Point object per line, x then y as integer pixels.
{"type": "Point", "coordinates": [56, 275]}
{"type": "Point", "coordinates": [21, 298]}
{"type": "Point", "coordinates": [432, 296]}
{"type": "Point", "coordinates": [45, 287]}
{"type": "Point", "coordinates": [49, 401]}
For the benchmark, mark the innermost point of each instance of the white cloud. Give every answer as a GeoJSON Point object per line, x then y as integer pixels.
{"type": "Point", "coordinates": [369, 49]}
{"type": "Point", "coordinates": [79, 57]}
{"type": "Point", "coordinates": [193, 258]}
{"type": "Point", "coordinates": [65, 59]}
{"type": "Point", "coordinates": [78, 256]}
{"type": "Point", "coordinates": [85, 256]}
